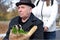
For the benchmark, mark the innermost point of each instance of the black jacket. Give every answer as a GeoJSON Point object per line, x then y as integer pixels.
{"type": "Point", "coordinates": [27, 26]}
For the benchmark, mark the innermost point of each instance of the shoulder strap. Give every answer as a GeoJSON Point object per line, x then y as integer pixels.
{"type": "Point", "coordinates": [37, 2]}
{"type": "Point", "coordinates": [52, 2]}
{"type": "Point", "coordinates": [42, 10]}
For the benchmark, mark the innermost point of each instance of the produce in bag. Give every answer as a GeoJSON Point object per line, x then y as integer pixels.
{"type": "Point", "coordinates": [20, 34]}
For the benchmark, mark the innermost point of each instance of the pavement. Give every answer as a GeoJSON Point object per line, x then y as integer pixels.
{"type": "Point", "coordinates": [58, 35]}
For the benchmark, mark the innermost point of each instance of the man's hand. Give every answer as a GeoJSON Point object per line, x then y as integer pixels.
{"type": "Point", "coordinates": [45, 28]}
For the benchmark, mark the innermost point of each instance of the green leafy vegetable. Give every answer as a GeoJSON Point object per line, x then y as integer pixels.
{"type": "Point", "coordinates": [19, 31]}
{"type": "Point", "coordinates": [14, 30]}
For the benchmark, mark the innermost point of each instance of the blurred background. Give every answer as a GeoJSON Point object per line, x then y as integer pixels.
{"type": "Point", "coordinates": [8, 11]}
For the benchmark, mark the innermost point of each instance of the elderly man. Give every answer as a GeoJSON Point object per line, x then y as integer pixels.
{"type": "Point", "coordinates": [27, 20]}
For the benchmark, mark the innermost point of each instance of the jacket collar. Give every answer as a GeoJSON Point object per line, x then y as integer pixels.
{"type": "Point", "coordinates": [30, 22]}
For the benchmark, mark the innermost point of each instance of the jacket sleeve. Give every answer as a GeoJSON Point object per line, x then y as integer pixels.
{"type": "Point", "coordinates": [38, 35]}
{"type": "Point", "coordinates": [8, 31]}
{"type": "Point", "coordinates": [40, 31]}
{"type": "Point", "coordinates": [7, 34]}
{"type": "Point", "coordinates": [53, 16]}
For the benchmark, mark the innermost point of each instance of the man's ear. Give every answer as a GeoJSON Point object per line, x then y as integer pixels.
{"type": "Point", "coordinates": [30, 9]}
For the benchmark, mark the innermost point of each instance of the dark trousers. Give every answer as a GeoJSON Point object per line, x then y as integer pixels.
{"type": "Point", "coordinates": [50, 35]}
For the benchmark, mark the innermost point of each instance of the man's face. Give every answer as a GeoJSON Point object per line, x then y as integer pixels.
{"type": "Point", "coordinates": [24, 10]}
